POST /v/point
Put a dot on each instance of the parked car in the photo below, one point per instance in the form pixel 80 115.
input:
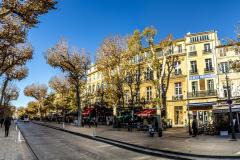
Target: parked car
pixel 25 118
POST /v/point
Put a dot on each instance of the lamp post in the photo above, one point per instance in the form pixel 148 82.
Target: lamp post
pixel 229 101
pixel 189 124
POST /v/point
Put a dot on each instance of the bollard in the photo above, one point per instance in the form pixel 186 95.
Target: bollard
pixel 63 125
pixel 19 136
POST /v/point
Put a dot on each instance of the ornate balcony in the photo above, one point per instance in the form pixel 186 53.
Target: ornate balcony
pixel 208 70
pixel 205 93
pixel 177 97
pixel 193 72
pixel 177 73
pixel 180 51
pixel 207 51
pixel 192 54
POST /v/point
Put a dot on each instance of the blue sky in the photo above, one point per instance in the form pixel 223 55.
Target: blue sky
pixel 85 23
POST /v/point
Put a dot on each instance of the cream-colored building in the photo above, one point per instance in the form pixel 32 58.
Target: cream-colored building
pixel 195 85
pixel 177 95
pixel 202 76
pixel 226 54
pixel 94 83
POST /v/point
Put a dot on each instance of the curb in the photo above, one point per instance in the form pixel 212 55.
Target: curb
pixel 142 149
pixel 35 157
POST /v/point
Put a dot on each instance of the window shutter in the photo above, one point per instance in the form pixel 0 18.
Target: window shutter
pixel 202 84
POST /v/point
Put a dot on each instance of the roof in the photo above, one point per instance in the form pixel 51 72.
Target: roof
pixel 228 45
pixel 200 33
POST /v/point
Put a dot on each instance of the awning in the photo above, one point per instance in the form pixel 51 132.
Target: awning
pixel 201 106
pixel 146 113
pixel 225 109
pixel 87 111
pixel 75 113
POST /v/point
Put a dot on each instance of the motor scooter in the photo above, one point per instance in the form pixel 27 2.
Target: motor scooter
pixel 151 131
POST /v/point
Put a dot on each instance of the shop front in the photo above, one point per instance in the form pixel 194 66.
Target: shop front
pixel 222 117
pixel 202 111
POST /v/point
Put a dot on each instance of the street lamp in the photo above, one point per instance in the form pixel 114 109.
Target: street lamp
pixel 189 124
pixel 229 102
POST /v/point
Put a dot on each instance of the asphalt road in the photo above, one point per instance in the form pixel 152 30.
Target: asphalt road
pixel 49 144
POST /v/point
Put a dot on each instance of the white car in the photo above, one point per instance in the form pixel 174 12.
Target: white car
pixel 25 119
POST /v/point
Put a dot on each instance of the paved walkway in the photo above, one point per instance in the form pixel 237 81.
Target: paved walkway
pixel 175 139
pixel 51 144
pixel 10 149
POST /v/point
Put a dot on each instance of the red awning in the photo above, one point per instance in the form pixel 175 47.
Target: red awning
pixel 146 113
pixel 87 111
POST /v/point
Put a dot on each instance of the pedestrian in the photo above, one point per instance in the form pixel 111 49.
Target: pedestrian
pixel 194 126
pixel 235 124
pixel 96 122
pixel 83 122
pixel 130 123
pixel 107 120
pixel 2 120
pixel 89 122
pixel 7 124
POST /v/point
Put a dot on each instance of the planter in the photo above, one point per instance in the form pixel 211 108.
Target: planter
pixel 223 133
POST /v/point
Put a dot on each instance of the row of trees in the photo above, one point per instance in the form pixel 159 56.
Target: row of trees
pixel 115 61
pixel 60 100
pixel 67 89
pixel 120 60
pixel 16 19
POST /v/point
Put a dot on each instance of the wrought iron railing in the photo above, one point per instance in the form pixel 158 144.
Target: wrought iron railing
pixel 207 51
pixel 177 97
pixel 193 53
pixel 191 72
pixel 205 93
pixel 209 70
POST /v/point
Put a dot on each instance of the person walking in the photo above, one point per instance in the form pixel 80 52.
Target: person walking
pixel 194 126
pixel 89 122
pixel 2 120
pixel 7 124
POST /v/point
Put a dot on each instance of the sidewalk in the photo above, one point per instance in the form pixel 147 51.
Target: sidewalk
pixel 174 139
pixel 10 149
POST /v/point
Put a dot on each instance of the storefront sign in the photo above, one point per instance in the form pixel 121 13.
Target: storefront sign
pixel 202 76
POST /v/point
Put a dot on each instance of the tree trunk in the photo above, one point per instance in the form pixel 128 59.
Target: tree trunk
pixel 78 105
pixel 3 90
pixel 40 110
pixel 159 88
pixel 164 104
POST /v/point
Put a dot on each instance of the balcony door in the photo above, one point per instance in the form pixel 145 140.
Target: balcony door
pixel 178 90
pixel 207 47
pixel 210 85
pixel 177 68
pixel 194 87
pixel 193 66
pixel 208 63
